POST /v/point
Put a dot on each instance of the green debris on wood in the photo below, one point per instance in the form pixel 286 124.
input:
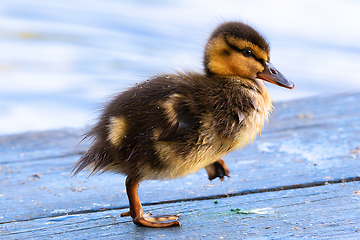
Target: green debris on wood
pixel 242 211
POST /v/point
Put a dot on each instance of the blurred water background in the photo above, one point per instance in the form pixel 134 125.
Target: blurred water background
pixel 61 60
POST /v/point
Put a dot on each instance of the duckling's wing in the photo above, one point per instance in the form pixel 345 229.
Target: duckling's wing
pixel 176 133
pixel 184 123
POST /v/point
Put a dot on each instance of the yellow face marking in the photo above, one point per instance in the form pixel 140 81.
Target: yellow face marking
pixel 223 60
pixel 117 130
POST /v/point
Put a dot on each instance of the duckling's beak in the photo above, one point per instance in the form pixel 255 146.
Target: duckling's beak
pixel 272 75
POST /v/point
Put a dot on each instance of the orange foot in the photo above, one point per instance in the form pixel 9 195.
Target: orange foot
pixel 148 220
pixel 217 169
pixel 136 211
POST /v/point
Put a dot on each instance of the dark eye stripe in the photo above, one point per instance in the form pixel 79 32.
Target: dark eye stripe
pixel 237 49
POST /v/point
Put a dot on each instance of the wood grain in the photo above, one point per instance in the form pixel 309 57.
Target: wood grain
pixel 307 143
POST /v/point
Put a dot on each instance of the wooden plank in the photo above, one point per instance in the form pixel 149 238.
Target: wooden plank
pixel 306 141
pixel 329 212
pixel 40 145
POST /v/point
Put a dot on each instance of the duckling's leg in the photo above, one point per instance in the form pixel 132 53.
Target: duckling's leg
pixel 136 211
pixel 217 169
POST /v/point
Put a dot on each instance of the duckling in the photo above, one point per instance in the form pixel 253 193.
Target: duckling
pixel 173 125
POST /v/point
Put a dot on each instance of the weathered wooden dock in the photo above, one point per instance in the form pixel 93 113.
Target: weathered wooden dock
pixel 300 178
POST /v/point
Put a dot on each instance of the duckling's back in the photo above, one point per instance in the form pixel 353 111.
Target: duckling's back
pixel 174 125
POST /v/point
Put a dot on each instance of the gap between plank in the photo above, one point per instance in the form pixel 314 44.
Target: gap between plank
pixel 219 196
pixel 262 190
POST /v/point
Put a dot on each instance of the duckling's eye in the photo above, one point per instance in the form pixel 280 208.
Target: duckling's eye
pixel 247 52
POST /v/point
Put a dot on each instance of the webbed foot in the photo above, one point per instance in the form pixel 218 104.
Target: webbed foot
pixel 217 169
pixel 136 211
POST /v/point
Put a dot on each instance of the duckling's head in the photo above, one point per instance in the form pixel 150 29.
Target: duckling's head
pixel 236 49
